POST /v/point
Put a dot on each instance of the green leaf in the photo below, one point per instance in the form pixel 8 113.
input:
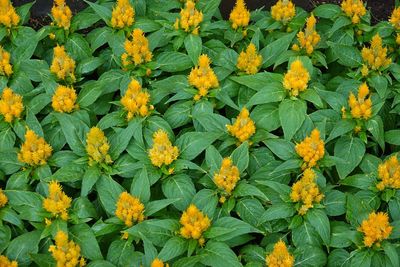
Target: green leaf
pixel 292 113
pixel 181 187
pixel 174 61
pixel 103 12
pixel 120 140
pixel 227 228
pixel 78 47
pixel 335 203
pixel 305 234
pixel 89 179
pixel 341 127
pixel 361 181
pixel 89 64
pixel 361 258
pixel 279 211
pixel 380 84
pixel 193 46
pixel 282 148
pixel 348 56
pixel 218 254
pixel 174 247
pixel 318 219
pixel 22 246
pixel 157 205
pixel 310 256
pixel 122 253
pixel 351 150
pixel 393 137
pixel 7 139
pixel 327 11
pixel 206 200
pixel 271 92
pixel 375 127
pixel 84 237
pixel 75 131
pixel 178 114
pixel 257 81
pixel 240 157
pixel 140 186
pixel 247 190
pixel 391 252
pixel 109 192
pixel 191 144
pixel 30 203
pixel 273 50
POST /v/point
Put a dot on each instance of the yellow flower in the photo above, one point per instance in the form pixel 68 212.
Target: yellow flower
pixel 249 61
pixel 194 224
pixel 97 146
pixel 306 191
pixel 190 18
pixel 361 107
pixel 309 38
pixel 228 176
pixel 159 263
pixel 11 105
pixel 311 149
pixel 8 16
pixel 354 9
pixel 66 253
pixel 5 66
pixel 364 70
pixel 57 203
pixel 3 199
pixel 64 99
pixel 61 14
pixel 240 15
pixel 63 66
pixel 136 51
pixel 123 14
pixel 244 126
pixel 5 262
pixel 395 18
pixel 398 39
pixel 202 77
pixel 296 79
pixel 162 151
pixel 375 57
pixel 389 174
pixel 136 101
pixel 34 151
pixel 283 10
pixel 375 229
pixel 129 209
pixel 280 256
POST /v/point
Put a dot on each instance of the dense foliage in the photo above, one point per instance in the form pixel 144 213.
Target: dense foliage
pixel 154 133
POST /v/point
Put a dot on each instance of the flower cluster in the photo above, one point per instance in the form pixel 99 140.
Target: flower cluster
pixel 5 66
pixel 240 15
pixel 311 149
pixel 306 192
pixel 5 262
pixel 136 51
pixel 158 263
pixel 375 57
pixel 395 18
pixel 63 66
pixel 249 61
pixel 123 14
pixel 3 198
pixel 227 177
pixel 129 209
pixel 280 256
pixel 34 151
pixel 162 152
pixel 190 18
pixel 360 107
pixel 244 126
pixel 136 101
pixel 57 203
pixel 309 38
pixel 8 16
pixel 283 10
pixel 97 146
pixel 389 174
pixel 194 224
pixel 354 9
pixel 11 105
pixel 61 14
pixel 202 77
pixel 66 253
pixel 375 229
pixel 296 78
pixel 64 99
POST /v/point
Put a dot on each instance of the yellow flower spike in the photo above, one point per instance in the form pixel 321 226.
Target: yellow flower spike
pixel 296 78
pixel 159 263
pixel 228 176
pixel 34 151
pixel 136 101
pixel 3 198
pixel 240 15
pixel 137 50
pixel 123 14
pixel 202 77
pixel 57 203
pixel 309 38
pixel 280 256
pixel 11 105
pixel 97 147
pixel 5 66
pixel 283 11
pixel 65 252
pixel 162 152
pixel 63 66
pixel 375 229
pixel 249 61
pixel 61 14
pixel 354 9
pixel 306 192
pixel 311 149
pixel 5 262
pixel 129 209
pixel 389 174
pixel 64 99
pixel 244 126
pixel 395 18
pixel 194 224
pixel 361 107
pixel 189 19
pixel 375 57
pixel 8 15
